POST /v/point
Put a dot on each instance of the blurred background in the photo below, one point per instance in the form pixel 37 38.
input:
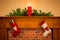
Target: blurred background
pixel 45 5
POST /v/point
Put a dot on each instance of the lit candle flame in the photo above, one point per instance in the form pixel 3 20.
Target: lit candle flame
pixel 29 10
pixel 29 5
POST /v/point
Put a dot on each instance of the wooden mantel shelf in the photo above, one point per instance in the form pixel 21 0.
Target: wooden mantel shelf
pixel 30 21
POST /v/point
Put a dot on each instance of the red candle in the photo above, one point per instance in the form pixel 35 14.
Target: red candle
pixel 29 10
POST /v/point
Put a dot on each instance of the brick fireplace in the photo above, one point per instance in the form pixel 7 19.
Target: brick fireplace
pixel 30 28
pixel 29 34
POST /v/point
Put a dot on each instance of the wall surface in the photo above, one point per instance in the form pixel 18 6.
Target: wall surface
pixel 45 5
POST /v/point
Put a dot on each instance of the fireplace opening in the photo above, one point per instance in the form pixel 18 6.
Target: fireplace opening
pixel 29 34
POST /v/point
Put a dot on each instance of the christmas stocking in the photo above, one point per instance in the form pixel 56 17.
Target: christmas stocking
pixel 46 28
pixel 15 28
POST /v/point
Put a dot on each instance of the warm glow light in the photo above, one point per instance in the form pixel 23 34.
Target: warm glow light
pixel 29 5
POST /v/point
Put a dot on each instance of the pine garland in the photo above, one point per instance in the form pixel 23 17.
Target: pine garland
pixel 18 12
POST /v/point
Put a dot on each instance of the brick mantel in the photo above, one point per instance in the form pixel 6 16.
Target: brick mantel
pixel 30 22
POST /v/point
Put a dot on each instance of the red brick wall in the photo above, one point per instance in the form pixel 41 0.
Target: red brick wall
pixel 29 34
